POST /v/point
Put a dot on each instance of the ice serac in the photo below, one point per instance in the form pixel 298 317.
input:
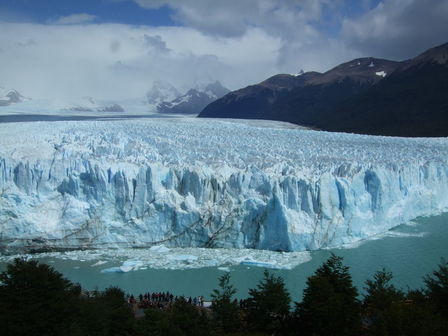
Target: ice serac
pixel 209 183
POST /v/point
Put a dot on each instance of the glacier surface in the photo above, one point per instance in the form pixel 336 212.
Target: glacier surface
pixel 209 183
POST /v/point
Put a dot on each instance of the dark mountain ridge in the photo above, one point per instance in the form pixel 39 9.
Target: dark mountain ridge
pixel 412 101
pixel 365 95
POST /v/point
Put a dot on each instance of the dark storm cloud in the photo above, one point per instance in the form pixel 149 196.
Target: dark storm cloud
pixel 232 18
pixel 398 29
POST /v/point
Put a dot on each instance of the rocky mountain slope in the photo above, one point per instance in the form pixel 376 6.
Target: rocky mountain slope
pixel 366 95
pixel 412 101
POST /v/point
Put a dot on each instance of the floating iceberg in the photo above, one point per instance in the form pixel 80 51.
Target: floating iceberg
pixel 182 257
pixel 159 248
pixel 99 263
pixel 178 258
pixel 209 183
pixel 224 269
pixel 127 266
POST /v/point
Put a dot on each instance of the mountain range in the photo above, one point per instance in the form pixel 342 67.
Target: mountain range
pixel 366 95
pixel 194 100
pixel 161 98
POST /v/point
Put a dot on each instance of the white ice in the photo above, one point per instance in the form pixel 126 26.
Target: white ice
pixel 177 258
pixel 209 183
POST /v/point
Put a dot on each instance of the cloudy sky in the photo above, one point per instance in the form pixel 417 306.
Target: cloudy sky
pixel 118 48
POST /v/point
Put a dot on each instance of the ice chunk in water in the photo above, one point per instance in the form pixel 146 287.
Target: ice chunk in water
pixel 159 248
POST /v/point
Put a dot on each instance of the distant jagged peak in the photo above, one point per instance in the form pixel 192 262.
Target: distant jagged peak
pixel 161 91
pixel 15 97
pixel 215 89
pixel 11 96
pixel 194 100
pixel 206 85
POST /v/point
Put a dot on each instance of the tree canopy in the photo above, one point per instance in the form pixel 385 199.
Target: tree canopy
pixel 330 305
pixel 268 305
pixel 437 286
pixel 225 311
pixel 37 300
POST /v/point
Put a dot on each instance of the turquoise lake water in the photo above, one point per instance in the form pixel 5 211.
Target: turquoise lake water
pixel 409 251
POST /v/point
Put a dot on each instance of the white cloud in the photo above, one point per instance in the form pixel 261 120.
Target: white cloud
pixel 291 22
pixel 235 17
pixel 236 42
pixel 396 29
pixel 120 61
pixel 79 18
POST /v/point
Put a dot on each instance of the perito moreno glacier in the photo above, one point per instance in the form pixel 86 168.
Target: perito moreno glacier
pixel 209 183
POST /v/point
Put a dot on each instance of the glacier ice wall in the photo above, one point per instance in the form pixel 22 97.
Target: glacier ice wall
pixel 209 183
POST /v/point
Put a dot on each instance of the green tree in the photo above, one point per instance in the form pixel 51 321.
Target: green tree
pixel 381 304
pixel 190 319
pixel 37 300
pixel 268 305
pixel 116 314
pixel 157 323
pixel 415 316
pixel 182 319
pixel 330 306
pixel 225 312
pixel 437 287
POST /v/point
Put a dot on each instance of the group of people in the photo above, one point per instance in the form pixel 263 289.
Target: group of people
pixel 161 300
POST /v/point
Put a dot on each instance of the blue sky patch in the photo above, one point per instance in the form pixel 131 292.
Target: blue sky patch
pixel 106 11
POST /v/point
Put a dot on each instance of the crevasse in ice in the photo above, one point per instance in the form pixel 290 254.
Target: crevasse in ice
pixel 209 183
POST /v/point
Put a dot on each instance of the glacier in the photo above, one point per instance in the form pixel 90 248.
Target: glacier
pixel 209 183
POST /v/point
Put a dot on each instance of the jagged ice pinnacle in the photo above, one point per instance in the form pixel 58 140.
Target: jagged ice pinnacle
pixel 209 183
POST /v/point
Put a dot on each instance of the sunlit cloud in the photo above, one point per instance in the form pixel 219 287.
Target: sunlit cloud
pixel 110 60
pixel 236 42
pixel 73 19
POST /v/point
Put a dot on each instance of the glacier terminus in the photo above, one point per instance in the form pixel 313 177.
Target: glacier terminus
pixel 186 182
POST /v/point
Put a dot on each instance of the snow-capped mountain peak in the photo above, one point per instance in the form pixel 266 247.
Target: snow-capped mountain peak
pixel 194 100
pixel 161 91
pixel 8 97
pixel 215 90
